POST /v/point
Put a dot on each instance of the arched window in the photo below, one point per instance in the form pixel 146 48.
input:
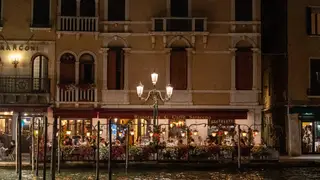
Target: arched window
pixel 86 69
pixel 244 66
pixel 40 72
pixel 67 69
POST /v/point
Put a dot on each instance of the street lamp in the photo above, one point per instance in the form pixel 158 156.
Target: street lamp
pixel 155 95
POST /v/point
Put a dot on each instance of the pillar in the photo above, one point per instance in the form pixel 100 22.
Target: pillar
pixel 78 8
pixel 255 77
pixel 126 68
pixel 233 68
pixel 96 8
pixel 167 56
pixel 104 52
pixel 190 65
pixel 105 12
pixel 294 136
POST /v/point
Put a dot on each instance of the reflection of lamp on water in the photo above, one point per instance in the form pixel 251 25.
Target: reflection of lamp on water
pixel 88 134
pixel 195 132
pixel 214 134
pixel 225 132
pixel 183 134
pixel 131 132
pixel 68 132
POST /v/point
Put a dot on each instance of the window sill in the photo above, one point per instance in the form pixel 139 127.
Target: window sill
pixel 314 36
pixel 35 28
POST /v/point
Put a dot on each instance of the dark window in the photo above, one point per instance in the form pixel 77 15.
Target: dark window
pixel 86 69
pixel 313 21
pixel 116 10
pixel 179 69
pixel 41 13
pixel 88 8
pixel 115 69
pixel 315 74
pixel 244 69
pixel 179 8
pixel 1 23
pixel 243 10
pixel 67 69
pixel 68 7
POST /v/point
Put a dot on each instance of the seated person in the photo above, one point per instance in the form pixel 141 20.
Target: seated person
pixel 7 151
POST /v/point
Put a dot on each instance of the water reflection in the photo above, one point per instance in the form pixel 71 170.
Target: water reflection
pixel 249 174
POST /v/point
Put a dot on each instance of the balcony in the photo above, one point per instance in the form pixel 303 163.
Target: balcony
pixel 72 94
pixel 24 90
pixel 78 24
pixel 174 24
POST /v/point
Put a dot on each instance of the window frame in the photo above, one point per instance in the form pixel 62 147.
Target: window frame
pixel 49 25
pixel 309 22
pixel 310 64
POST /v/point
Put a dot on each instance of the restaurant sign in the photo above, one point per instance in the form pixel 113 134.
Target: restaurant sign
pixel 24 109
pixel 173 117
pixel 20 47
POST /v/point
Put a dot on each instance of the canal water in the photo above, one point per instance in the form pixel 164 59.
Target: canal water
pixel 248 174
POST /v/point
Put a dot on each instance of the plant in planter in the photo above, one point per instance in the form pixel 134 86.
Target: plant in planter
pixel 104 153
pixel 136 153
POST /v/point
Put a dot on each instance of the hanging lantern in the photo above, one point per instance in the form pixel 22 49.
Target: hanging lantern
pixel 120 134
pixel 195 132
pixel 244 134
pixel 68 132
pixel 88 134
pixel 183 134
pixel 225 132
pixel 214 134
pixel 163 132
pixel 151 134
pixel 171 125
pixel 255 132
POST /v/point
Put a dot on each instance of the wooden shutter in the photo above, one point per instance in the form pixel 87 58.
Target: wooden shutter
pixel 244 70
pixel 67 73
pixel 111 70
pixel 179 69
pixel 120 70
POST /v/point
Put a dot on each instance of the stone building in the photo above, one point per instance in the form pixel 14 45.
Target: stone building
pixel 291 73
pixel 95 53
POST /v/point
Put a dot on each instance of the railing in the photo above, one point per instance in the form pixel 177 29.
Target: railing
pixel 175 24
pixel 71 23
pixel 24 85
pixel 76 94
pixel 164 154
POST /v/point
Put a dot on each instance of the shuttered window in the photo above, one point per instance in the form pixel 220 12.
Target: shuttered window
pixel 244 69
pixel 179 69
pixel 67 69
pixel 41 13
pixel 243 10
pixel 115 69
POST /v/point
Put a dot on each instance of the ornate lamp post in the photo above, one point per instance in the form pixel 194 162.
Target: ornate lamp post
pixel 155 95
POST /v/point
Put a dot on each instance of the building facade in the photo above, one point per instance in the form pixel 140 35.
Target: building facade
pixel 294 64
pixel 102 49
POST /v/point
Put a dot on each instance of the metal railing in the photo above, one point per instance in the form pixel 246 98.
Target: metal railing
pixel 71 23
pixel 24 85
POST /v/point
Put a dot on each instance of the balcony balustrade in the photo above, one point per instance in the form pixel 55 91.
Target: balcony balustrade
pixel 181 24
pixel 20 85
pixel 73 94
pixel 78 24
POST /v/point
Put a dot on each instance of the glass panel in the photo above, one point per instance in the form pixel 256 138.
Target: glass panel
pixel 307 137
pixel 317 137
pixel 2 125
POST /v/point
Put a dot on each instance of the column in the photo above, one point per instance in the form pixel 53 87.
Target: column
pixel 97 8
pixel 257 121
pixel 190 65
pixel 233 68
pixel 78 8
pixel 127 10
pixel 77 72
pixel 255 77
pixel 58 81
pixel 126 68
pixel 167 54
pixel 294 135
pixel 104 52
pixel 105 12
pixel 233 10
pixel 168 8
pixel 59 14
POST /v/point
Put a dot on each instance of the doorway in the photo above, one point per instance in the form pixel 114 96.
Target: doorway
pixel 310 137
